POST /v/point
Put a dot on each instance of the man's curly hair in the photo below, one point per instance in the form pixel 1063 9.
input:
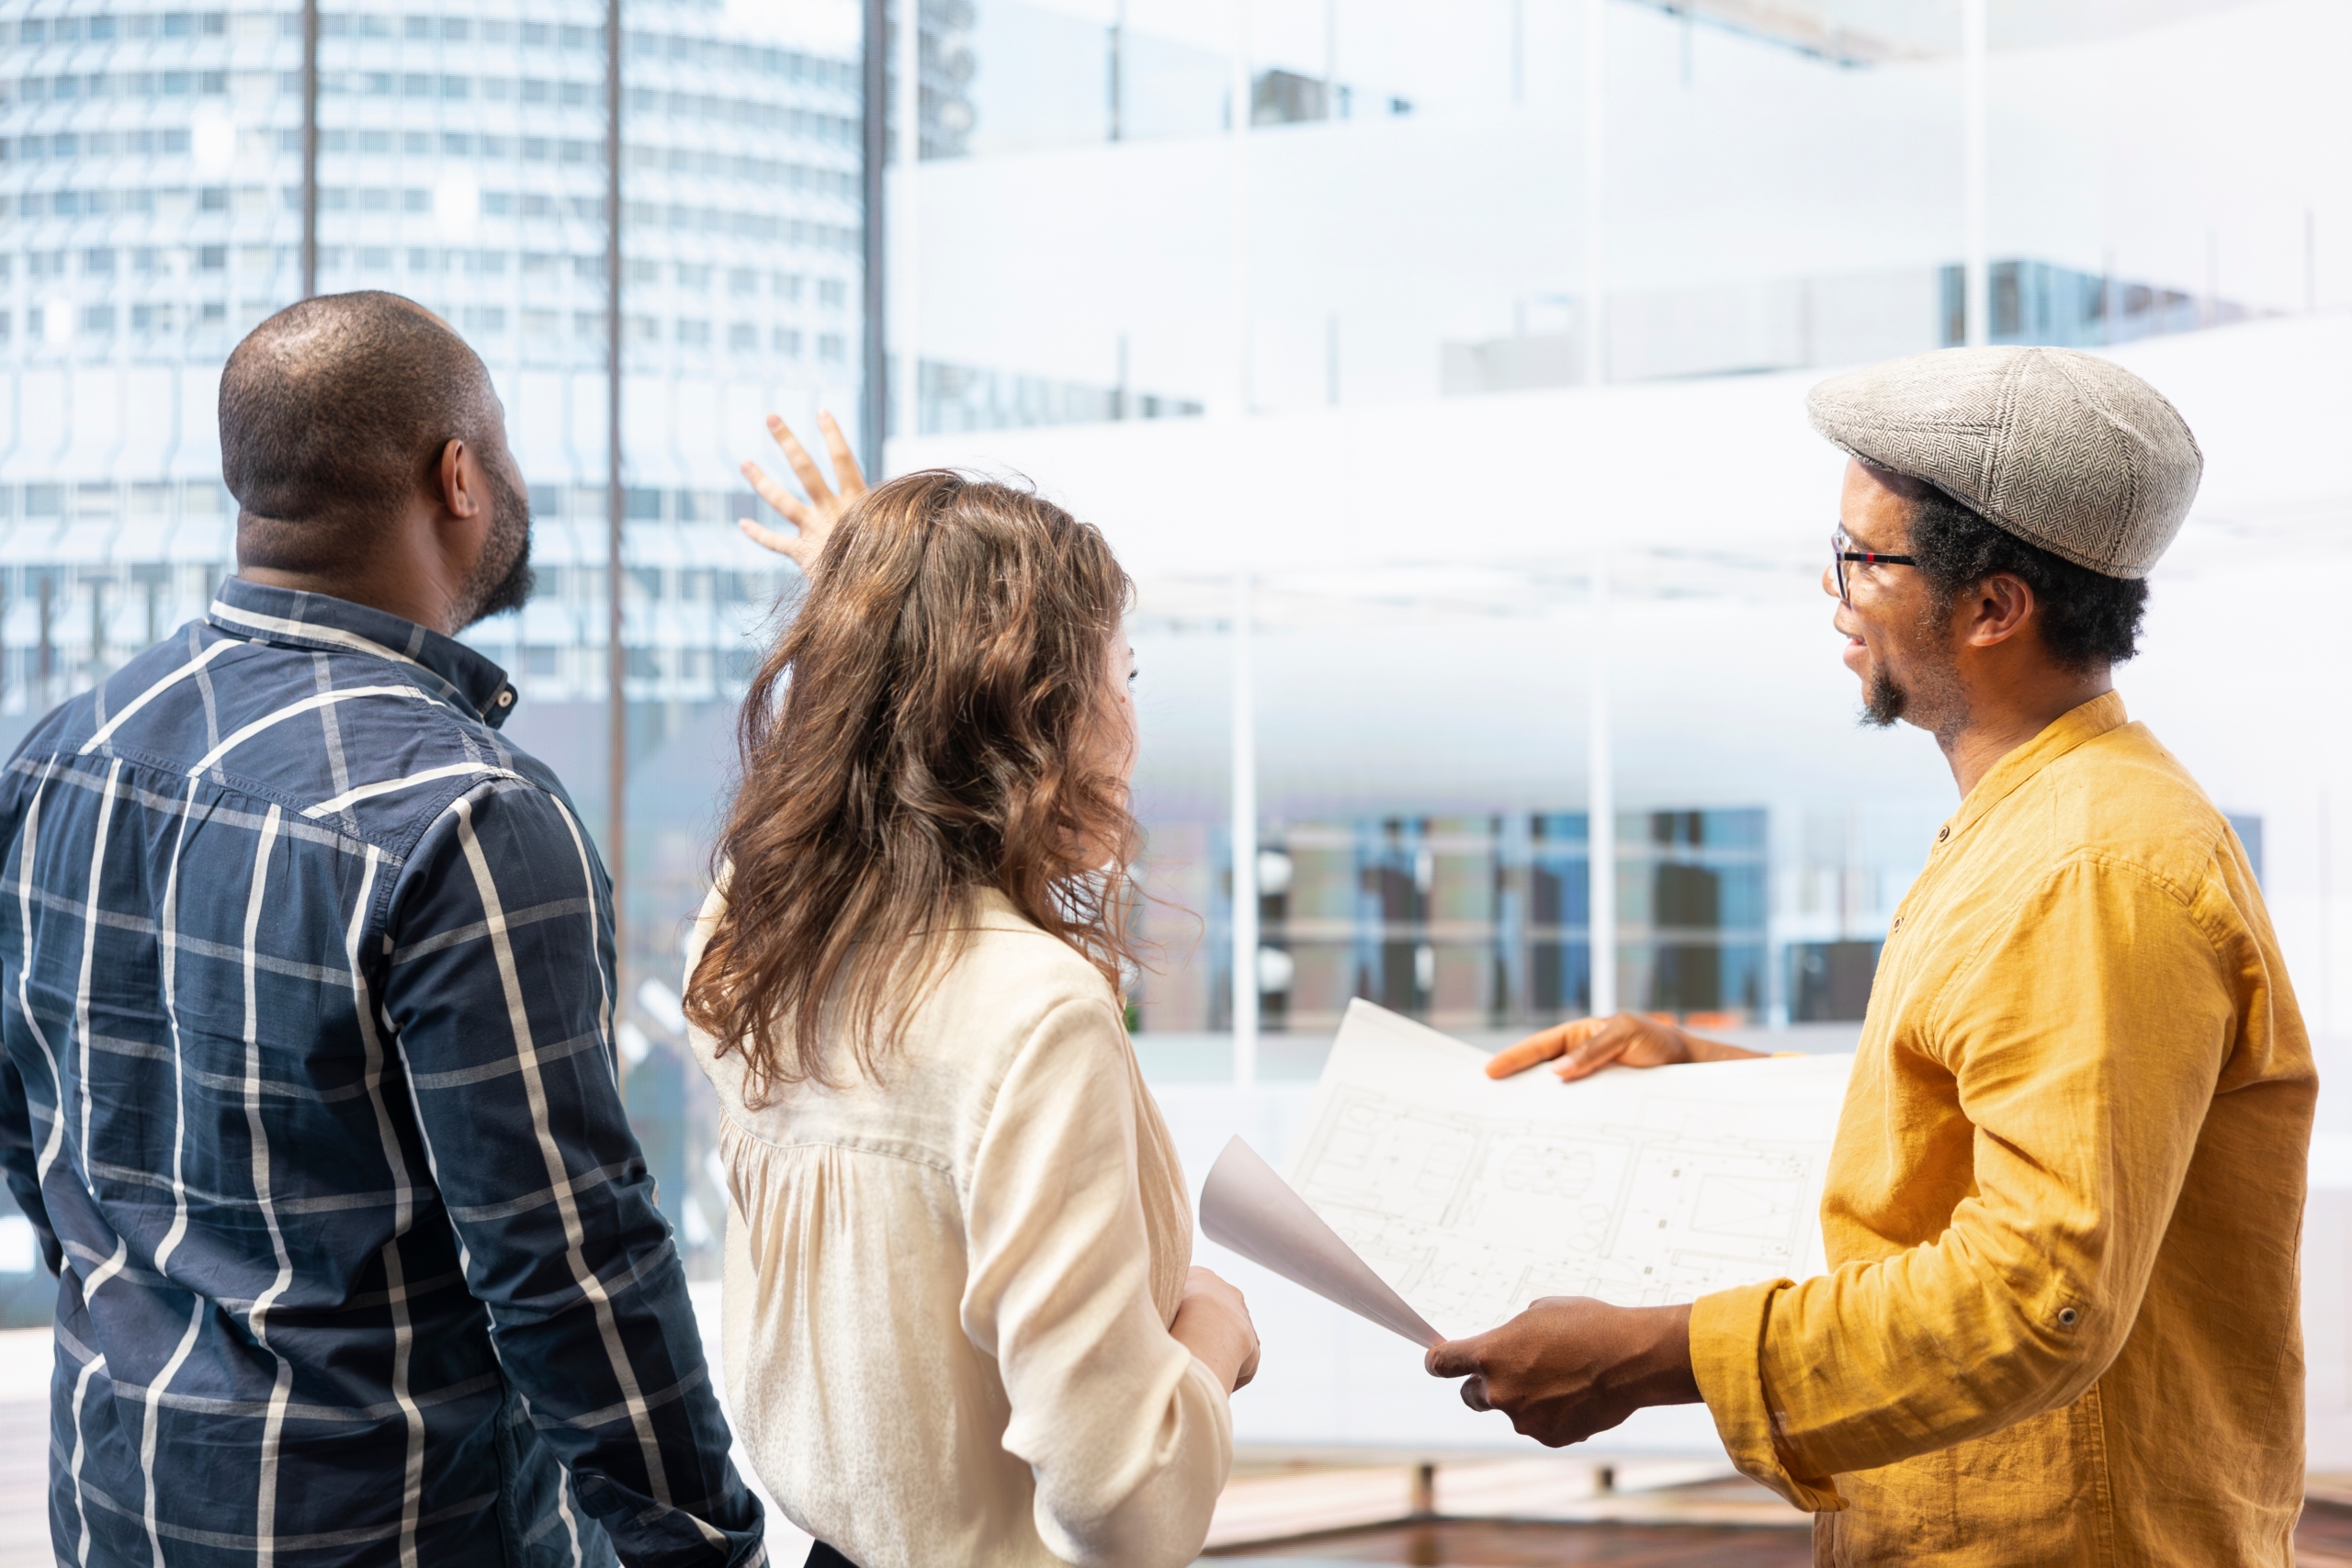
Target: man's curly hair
pixel 2089 619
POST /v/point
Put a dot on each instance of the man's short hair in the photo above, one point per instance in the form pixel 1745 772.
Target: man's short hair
pixel 333 412
pixel 2089 619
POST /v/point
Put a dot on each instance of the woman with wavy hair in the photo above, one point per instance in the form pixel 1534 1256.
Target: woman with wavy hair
pixel 961 1323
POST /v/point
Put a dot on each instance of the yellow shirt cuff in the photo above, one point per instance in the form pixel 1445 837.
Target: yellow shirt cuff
pixel 1726 1354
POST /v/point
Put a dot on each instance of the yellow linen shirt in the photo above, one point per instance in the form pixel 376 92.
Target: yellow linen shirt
pixel 2064 1207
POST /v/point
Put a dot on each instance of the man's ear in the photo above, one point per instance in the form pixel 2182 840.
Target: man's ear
pixel 1999 608
pixel 460 478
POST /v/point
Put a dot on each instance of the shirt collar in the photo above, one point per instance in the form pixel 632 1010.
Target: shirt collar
pixel 290 618
pixel 2063 734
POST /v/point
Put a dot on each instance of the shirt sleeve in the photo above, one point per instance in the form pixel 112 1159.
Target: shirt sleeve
pixel 2085 1040
pixel 500 999
pixel 1128 1435
pixel 19 1134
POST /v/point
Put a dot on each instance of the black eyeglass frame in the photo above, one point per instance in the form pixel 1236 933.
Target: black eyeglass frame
pixel 1840 555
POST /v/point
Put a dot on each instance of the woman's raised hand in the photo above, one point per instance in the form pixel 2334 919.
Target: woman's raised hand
pixel 815 516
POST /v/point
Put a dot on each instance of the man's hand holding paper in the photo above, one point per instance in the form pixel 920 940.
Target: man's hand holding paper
pixel 1421 1192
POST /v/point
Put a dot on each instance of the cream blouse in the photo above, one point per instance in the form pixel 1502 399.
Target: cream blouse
pixel 949 1288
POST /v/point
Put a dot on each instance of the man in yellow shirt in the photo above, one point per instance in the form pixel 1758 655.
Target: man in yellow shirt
pixel 2064 1207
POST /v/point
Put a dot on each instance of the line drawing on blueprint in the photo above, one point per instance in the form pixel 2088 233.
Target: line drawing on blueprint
pixel 1657 1200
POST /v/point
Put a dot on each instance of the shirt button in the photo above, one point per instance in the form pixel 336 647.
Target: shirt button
pixel 2066 1316
pixel 1896 926
pixel 1942 833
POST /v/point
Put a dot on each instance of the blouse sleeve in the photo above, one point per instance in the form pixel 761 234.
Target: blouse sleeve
pixel 1129 1436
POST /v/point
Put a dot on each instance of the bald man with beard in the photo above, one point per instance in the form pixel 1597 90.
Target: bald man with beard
pixel 310 1088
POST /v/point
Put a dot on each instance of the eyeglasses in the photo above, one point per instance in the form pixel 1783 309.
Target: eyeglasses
pixel 1839 554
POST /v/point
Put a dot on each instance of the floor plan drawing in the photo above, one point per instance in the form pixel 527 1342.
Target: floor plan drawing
pixel 1472 1198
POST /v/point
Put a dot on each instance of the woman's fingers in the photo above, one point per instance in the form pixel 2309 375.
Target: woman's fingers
pixel 847 476
pixel 803 466
pixel 793 509
pixel 785 545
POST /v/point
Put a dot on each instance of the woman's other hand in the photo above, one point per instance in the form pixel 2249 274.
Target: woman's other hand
pixel 1628 1040
pixel 1213 1323
pixel 815 516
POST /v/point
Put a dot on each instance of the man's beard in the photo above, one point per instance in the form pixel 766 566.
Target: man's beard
pixel 502 579
pixel 1883 698
pixel 1934 699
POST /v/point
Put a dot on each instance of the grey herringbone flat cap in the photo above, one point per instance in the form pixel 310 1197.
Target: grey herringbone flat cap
pixel 2065 450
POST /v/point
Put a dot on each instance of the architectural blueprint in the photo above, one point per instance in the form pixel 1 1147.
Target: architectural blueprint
pixel 1472 1197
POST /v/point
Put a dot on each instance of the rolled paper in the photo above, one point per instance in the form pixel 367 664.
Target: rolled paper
pixel 1246 1205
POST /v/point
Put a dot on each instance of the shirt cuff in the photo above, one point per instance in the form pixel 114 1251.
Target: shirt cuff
pixel 1727 1356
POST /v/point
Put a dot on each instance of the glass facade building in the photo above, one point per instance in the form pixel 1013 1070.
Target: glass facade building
pixel 153 193
pixel 151 180
pixel 1470 923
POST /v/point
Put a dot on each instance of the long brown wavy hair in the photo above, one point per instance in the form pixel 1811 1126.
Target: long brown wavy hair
pixel 936 719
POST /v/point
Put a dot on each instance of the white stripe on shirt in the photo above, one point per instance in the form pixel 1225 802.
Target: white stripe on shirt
pixel 149 1425
pixel 274 1424
pixel 90 954
pixel 388 786
pixel 222 611
pixel 104 732
pixel 403 1215
pixel 294 710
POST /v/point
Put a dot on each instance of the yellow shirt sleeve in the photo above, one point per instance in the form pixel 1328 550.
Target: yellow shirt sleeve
pixel 2085 1038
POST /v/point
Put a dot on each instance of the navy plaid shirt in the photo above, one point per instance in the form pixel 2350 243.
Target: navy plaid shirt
pixel 308 1089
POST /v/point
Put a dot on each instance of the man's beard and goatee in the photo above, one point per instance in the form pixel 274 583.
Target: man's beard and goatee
pixel 1933 698
pixel 1883 699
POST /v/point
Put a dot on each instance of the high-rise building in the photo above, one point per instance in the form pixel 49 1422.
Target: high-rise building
pixel 152 190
